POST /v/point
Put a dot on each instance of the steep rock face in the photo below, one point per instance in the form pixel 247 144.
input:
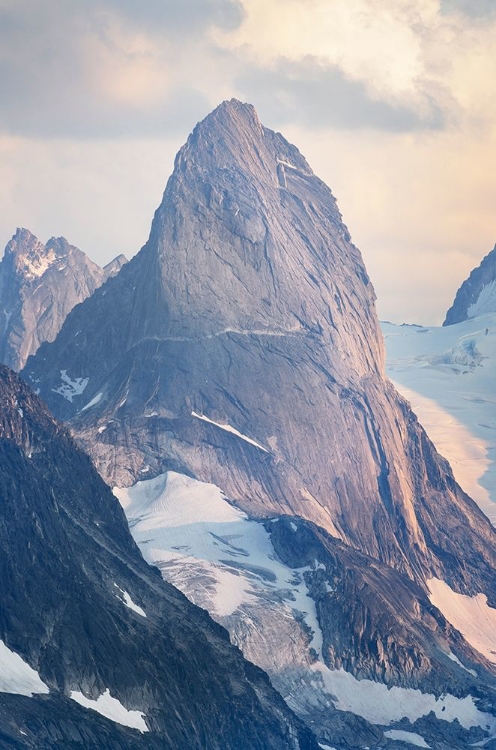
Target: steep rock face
pixel 477 294
pixel 241 346
pixel 80 607
pixel 39 286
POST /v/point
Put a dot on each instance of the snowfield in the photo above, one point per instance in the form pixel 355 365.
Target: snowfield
pixel 449 377
pixel 471 615
pixel 224 562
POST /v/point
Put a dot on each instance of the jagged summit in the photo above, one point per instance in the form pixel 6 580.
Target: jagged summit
pixel 233 135
pixel 39 285
pixel 477 294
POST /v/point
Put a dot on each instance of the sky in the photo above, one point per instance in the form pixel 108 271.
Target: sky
pixel 392 102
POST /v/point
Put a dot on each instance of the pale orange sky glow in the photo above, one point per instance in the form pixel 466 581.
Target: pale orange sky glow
pixel 391 101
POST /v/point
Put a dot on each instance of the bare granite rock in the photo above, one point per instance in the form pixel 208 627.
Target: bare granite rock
pixel 39 286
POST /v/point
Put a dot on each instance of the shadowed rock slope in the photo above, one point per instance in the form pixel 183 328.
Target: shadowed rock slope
pixel 80 606
pixel 241 346
pixel 39 286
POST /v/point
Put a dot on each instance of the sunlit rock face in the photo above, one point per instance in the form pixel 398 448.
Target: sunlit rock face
pixel 39 286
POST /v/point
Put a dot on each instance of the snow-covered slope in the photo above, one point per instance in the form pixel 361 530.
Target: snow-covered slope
pixel 449 376
pixel 228 564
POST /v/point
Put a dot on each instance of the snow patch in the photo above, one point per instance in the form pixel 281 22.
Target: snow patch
pixel 485 302
pixel 126 598
pixel 230 429
pixel 36 265
pixel 112 709
pixel 471 615
pixel 16 676
pixel 379 704
pixel 185 526
pixel 457 661
pixel 411 737
pixel 70 388
pixel 93 402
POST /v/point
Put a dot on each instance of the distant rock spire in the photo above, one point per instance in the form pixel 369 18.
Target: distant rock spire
pixel 477 294
pixel 39 286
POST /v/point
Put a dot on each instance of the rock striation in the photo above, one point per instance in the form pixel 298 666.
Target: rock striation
pixel 477 294
pixel 39 286
pixel 85 623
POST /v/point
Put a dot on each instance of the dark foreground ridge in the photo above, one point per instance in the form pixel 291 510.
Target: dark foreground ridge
pixel 82 608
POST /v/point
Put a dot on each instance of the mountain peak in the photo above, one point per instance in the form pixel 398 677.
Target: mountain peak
pixel 477 294
pixel 234 112
pixel 39 285
pixel 232 136
pixel 29 257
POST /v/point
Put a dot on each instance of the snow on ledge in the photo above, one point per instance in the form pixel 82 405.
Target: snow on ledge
pixel 230 429
pixel 471 615
pixel 457 661
pixel 16 676
pixel 93 402
pixel 112 709
pixel 402 736
pixel 126 599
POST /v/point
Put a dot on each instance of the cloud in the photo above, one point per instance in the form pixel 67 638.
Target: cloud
pixel 183 16
pixel 310 93
pixel 478 9
pixel 112 68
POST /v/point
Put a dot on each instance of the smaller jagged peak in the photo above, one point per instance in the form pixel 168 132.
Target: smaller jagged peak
pixel 59 245
pixel 115 265
pixel 23 242
pixel 28 257
pixel 477 294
